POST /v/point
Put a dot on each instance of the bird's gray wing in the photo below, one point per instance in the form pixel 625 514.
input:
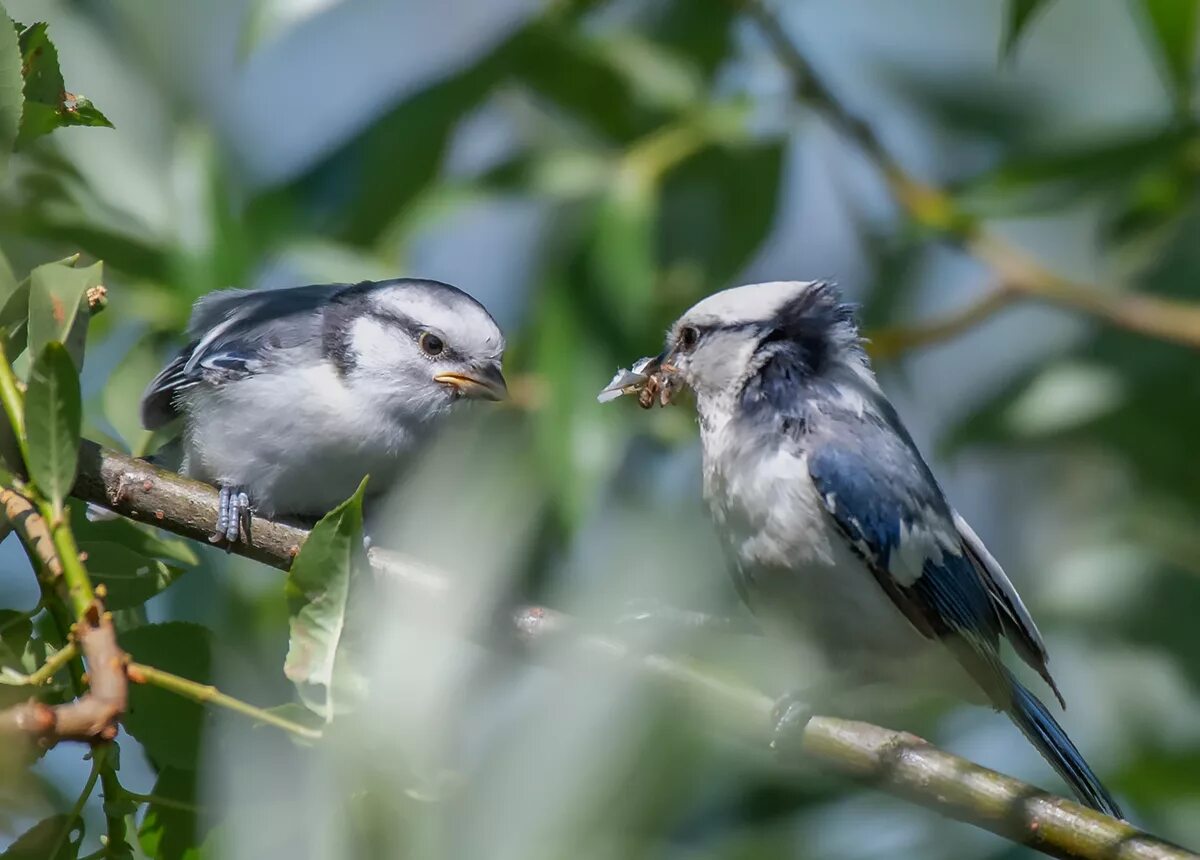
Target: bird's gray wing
pixel 1019 627
pixel 888 506
pixel 235 334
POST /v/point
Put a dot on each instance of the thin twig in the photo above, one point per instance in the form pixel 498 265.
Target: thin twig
pixel 99 756
pixel 896 762
pixel 934 209
pixel 46 671
pixel 888 343
pixel 207 694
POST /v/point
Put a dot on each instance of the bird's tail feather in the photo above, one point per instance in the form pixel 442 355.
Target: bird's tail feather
pixel 1044 732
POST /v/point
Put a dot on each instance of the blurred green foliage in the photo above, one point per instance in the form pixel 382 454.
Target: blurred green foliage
pixel 663 161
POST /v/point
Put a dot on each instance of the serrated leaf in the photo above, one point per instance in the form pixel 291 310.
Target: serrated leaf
pixel 1172 25
pixel 54 838
pixel 172 832
pixel 129 577
pixel 1016 18
pixel 11 98
pixel 53 414
pixel 167 725
pixel 58 306
pixel 318 589
pixel 48 105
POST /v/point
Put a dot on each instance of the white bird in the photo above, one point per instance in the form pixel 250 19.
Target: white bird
pixel 289 397
pixel 834 521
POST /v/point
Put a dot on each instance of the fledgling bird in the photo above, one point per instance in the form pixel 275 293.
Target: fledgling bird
pixel 289 397
pixel 833 518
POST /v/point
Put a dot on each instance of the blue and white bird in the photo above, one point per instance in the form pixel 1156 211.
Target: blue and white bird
pixel 832 517
pixel 289 397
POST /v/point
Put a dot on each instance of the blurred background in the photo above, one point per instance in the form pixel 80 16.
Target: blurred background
pixel 588 170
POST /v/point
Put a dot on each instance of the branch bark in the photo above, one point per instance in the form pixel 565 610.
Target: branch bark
pixel 897 763
pixel 143 492
pixel 92 718
pixel 934 209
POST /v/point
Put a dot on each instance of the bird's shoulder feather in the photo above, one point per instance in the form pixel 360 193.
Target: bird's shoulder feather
pixel 235 334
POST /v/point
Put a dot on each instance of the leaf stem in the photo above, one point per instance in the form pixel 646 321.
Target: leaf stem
pixel 99 756
pixel 49 669
pixel 207 694
pixel 13 403
pixel 79 584
pixel 165 802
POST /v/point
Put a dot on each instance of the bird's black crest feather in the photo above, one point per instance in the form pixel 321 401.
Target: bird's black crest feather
pixel 819 321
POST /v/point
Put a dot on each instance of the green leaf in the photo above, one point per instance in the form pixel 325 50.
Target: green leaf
pixel 595 92
pixel 58 306
pixel 167 725
pixel 52 418
pixel 1017 18
pixel 1172 26
pixel 702 30
pixel 172 830
pixel 14 319
pixel 381 172
pixel 11 99
pixel 318 588
pixel 49 839
pixel 716 209
pixel 622 257
pixel 130 578
pixel 47 103
pixel 15 629
pixel 138 538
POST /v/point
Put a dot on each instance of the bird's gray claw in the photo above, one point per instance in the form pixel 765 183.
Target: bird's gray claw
pixel 233 516
pixel 790 715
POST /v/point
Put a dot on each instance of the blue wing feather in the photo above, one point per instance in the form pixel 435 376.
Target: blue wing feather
pixel 879 495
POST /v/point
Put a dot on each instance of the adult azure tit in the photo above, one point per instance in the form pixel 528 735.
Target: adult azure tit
pixel 833 519
pixel 289 397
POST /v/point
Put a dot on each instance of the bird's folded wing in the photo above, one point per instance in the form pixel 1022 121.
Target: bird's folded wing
pixel 234 332
pixel 889 508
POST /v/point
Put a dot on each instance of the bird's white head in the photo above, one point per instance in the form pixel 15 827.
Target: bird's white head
pixel 415 343
pixel 721 342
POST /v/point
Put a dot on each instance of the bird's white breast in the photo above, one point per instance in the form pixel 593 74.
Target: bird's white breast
pixel 299 440
pixel 793 565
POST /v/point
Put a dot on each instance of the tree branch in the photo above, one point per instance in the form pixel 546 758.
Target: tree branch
pixel 934 209
pixel 206 694
pixel 897 763
pixel 141 491
pixel 92 717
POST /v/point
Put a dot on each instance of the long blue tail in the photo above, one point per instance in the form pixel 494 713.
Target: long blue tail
pixel 1052 742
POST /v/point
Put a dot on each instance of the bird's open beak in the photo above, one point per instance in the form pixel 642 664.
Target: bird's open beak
pixel 483 382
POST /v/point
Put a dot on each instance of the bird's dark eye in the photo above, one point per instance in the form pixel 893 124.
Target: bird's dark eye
pixel 431 344
pixel 689 335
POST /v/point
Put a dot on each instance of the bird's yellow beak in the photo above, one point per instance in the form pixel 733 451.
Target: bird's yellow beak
pixel 485 382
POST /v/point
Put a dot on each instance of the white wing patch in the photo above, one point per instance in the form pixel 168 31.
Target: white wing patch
pixel 920 542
